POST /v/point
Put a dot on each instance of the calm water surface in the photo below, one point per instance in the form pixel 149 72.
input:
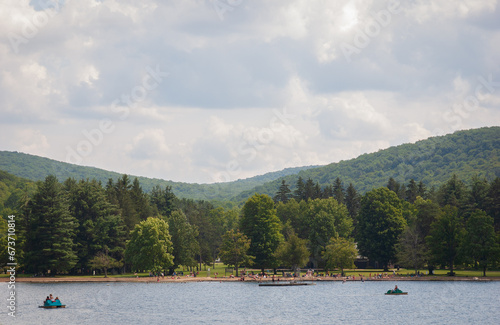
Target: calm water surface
pixel 247 303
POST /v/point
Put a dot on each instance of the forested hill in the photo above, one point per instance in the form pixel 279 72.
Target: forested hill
pixel 36 168
pixel 432 161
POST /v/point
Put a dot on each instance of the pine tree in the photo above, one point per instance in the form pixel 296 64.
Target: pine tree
pixel 352 201
pixel 338 191
pixel 309 190
pixel 51 231
pixel 411 191
pixel 283 194
pixel 327 192
pixel 422 190
pixel 453 192
pixel 100 228
pixel 493 202
pixel 163 200
pixel 299 193
pixel 140 201
pixel 394 186
pixel 125 203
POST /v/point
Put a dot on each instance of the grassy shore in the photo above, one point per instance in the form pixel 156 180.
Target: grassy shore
pixel 219 274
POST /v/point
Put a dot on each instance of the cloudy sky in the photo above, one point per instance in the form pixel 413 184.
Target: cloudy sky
pixel 217 90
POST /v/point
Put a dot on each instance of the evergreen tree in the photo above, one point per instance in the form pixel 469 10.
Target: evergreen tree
pixel 352 202
pixel 140 201
pixel 126 205
pixel 453 192
pixel 338 191
pixel 309 190
pixel 397 188
pixel 283 194
pixel 163 200
pixel 51 230
pixel 317 191
pixel 493 203
pixel 100 228
pixel 327 192
pixel 299 193
pixel 422 191
pixel 477 197
pixel 411 191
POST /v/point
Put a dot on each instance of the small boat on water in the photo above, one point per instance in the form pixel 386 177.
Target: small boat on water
pixel 395 292
pixel 50 307
pixel 52 304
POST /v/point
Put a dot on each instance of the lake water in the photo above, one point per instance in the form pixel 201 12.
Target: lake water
pixel 440 302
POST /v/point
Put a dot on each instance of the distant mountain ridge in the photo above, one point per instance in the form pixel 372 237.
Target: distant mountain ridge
pixel 37 168
pixel 433 161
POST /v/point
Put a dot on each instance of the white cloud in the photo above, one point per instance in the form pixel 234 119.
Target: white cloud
pixel 266 87
pixel 150 144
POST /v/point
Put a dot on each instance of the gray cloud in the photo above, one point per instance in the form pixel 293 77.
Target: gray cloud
pixel 62 69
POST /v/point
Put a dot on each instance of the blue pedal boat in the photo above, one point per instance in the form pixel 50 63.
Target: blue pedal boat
pixel 52 304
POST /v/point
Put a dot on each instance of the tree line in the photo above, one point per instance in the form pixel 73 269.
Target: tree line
pixel 78 226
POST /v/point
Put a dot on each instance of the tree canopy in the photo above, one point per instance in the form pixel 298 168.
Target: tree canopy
pixel 149 247
pixel 261 225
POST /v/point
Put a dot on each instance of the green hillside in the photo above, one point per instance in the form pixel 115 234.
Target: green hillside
pixel 433 161
pixel 13 191
pixel 37 168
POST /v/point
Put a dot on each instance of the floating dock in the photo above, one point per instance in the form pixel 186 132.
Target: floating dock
pixel 285 284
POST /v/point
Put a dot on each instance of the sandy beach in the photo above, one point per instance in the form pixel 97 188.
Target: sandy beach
pixel 229 279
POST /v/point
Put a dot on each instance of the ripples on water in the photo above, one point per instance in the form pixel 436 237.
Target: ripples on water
pixel 440 302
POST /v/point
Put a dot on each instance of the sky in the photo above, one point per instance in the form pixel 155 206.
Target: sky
pixel 205 91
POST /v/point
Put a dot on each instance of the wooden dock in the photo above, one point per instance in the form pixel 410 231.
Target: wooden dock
pixel 285 284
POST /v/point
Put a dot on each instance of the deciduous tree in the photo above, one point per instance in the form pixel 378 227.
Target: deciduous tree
pixel 380 222
pixel 234 249
pixel 149 247
pixel 340 253
pixel 480 244
pixel 445 237
pixel 261 225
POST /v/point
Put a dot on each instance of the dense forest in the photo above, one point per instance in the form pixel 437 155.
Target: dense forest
pixel 432 161
pixel 434 204
pixel 79 226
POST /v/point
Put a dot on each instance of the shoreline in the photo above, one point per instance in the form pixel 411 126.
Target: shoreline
pixel 166 279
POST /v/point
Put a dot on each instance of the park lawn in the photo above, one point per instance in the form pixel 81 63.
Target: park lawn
pixel 220 269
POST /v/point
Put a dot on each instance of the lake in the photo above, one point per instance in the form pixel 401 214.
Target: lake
pixel 436 302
